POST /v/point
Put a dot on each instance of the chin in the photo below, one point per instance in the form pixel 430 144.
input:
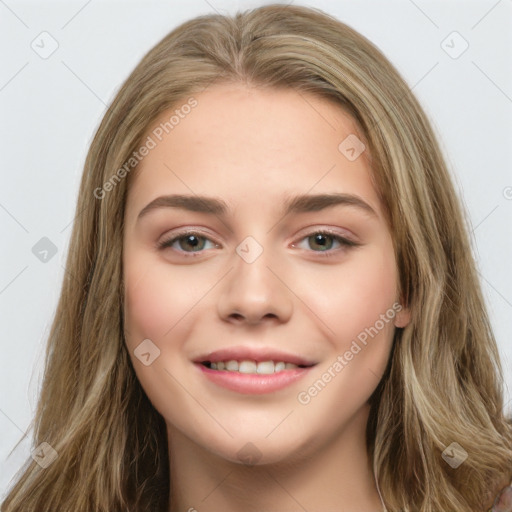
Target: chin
pixel 258 451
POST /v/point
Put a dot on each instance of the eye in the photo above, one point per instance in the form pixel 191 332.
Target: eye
pixel 195 241
pixel 320 239
pixel 187 240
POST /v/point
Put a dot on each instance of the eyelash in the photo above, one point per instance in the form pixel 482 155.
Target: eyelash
pixel 344 242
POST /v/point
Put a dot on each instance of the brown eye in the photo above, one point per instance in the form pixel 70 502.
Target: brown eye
pixel 324 240
pixel 189 240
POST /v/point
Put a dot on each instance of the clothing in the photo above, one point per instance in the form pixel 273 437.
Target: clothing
pixel 503 501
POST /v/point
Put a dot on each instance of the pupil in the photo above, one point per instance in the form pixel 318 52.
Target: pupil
pixel 192 240
pixel 318 239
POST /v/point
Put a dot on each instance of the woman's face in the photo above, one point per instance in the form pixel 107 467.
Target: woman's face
pixel 242 279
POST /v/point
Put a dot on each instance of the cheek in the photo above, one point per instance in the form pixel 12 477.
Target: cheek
pixel 146 313
pixel 354 296
pixel 373 287
pixel 359 313
pixel 155 299
pixel 154 306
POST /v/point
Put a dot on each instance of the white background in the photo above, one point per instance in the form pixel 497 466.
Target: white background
pixel 50 108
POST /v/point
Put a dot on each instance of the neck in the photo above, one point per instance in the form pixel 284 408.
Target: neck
pixel 335 476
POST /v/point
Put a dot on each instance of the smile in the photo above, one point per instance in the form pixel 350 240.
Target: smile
pixel 251 367
pixel 244 378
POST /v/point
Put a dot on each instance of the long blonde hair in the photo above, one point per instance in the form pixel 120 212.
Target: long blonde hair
pixel 444 380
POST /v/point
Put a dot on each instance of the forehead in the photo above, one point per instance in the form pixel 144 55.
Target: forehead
pixel 251 144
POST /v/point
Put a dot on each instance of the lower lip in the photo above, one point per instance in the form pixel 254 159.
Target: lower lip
pixel 253 383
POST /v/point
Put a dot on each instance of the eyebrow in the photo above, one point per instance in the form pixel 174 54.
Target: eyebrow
pixel 294 204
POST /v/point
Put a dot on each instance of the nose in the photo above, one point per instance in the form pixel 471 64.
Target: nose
pixel 255 292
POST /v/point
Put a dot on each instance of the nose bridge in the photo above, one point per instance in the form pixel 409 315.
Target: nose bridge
pixel 251 270
pixel 253 290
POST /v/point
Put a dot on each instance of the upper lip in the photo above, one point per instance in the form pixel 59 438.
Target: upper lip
pixel 253 354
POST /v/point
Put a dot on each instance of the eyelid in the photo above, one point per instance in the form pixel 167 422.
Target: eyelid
pixel 344 234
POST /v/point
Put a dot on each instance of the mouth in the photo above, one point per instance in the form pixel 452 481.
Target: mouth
pixel 252 371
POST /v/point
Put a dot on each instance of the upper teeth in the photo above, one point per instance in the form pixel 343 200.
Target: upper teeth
pixel 247 366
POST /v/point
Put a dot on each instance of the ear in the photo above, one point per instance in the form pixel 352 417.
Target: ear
pixel 403 317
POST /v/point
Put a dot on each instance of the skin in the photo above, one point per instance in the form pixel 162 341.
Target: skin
pixel 253 148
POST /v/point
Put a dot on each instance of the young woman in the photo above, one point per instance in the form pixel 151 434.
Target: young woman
pixel 271 302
